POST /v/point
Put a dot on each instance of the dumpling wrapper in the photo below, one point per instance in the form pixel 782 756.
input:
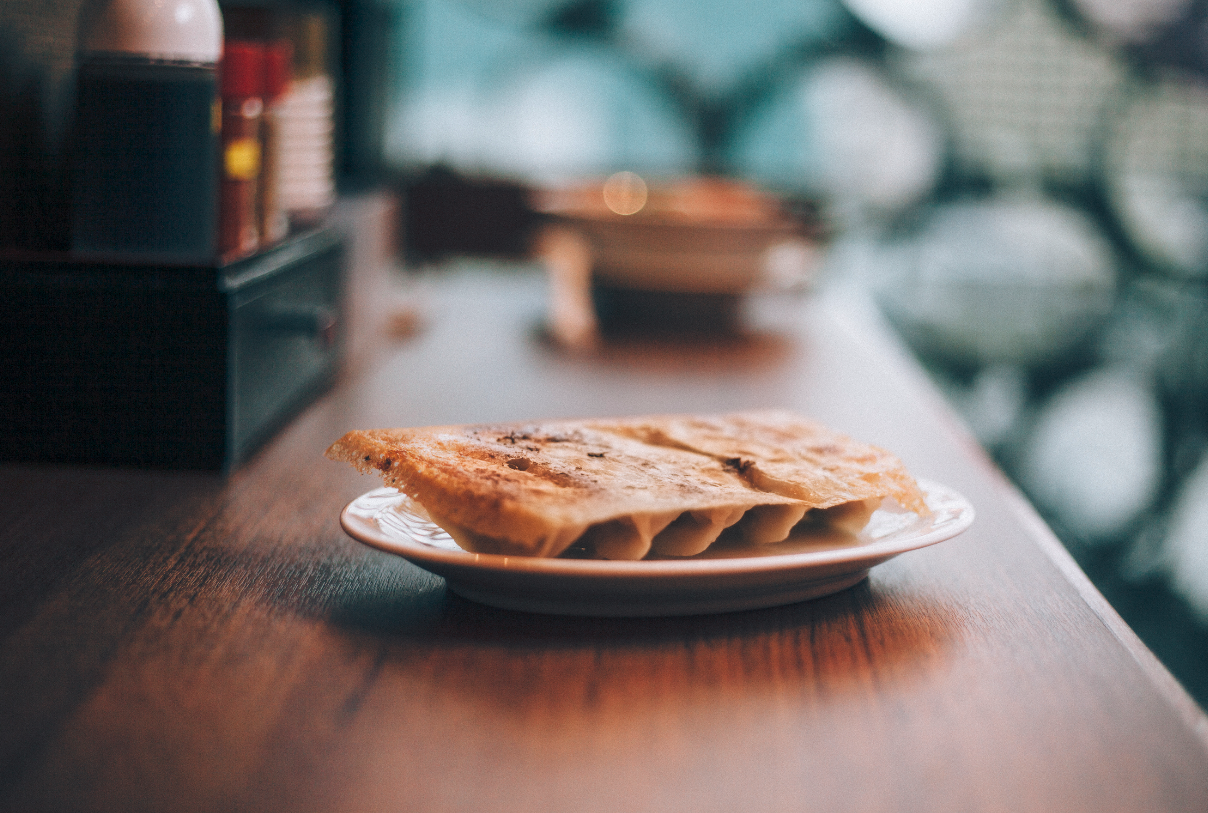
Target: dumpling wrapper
pixel 782 453
pixel 620 489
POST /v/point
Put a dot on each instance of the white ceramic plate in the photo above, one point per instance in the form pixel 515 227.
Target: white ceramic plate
pixel 724 578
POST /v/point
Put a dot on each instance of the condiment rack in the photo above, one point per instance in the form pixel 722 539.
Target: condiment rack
pixel 118 362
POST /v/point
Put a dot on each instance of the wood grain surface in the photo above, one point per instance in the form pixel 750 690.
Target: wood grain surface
pixel 178 641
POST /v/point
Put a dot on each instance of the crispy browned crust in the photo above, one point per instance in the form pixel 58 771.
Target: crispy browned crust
pixel 784 454
pixel 534 488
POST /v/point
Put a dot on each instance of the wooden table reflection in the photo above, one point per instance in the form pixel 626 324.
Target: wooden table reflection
pixel 181 641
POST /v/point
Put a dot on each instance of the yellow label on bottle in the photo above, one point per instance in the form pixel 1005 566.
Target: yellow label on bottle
pixel 242 159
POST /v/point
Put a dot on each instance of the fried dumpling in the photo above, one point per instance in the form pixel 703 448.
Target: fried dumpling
pixel 782 453
pixel 623 489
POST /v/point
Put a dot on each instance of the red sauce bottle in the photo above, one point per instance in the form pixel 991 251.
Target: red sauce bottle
pixel 242 153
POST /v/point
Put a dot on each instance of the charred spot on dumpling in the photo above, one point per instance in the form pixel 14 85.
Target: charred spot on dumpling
pixel 519 463
pixel 738 464
pixel 514 436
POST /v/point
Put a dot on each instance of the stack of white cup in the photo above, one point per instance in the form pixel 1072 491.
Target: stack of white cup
pixel 305 118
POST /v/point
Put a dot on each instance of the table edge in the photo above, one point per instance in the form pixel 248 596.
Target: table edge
pixel 850 307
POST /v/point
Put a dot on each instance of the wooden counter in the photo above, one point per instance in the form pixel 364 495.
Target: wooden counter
pixel 182 642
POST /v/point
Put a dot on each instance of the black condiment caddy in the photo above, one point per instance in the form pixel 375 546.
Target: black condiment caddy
pixel 128 363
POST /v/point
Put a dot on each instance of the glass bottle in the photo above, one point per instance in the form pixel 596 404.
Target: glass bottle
pixel 145 140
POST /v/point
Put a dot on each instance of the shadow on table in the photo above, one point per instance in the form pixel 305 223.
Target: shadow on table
pixel 867 632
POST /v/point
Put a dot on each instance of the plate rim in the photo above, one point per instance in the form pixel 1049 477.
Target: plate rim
pixel 875 551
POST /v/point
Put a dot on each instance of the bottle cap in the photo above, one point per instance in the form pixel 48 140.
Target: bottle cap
pixel 184 31
pixel 310 45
